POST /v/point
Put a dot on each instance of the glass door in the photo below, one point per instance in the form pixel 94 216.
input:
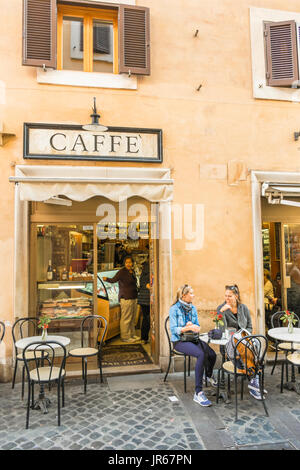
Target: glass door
pixel 291 267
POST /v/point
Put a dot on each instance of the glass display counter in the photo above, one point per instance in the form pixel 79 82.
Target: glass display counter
pixel 107 301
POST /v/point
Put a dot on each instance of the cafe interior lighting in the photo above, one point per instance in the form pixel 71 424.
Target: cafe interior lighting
pixel 94 125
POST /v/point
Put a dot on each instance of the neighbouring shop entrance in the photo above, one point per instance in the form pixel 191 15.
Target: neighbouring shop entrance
pixel 281 258
pixel 74 247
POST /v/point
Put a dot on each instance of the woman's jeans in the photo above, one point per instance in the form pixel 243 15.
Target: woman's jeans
pixel 203 353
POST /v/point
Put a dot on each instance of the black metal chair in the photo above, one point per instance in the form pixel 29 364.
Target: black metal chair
pixel 85 351
pixel 255 347
pixel 2 330
pixel 173 353
pixel 19 331
pixel 292 359
pixel 280 345
pixel 43 375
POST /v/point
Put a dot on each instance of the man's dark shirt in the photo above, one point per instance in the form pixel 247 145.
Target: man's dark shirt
pixel 127 284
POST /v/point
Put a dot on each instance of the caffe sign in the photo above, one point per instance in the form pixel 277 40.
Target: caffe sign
pixel 71 142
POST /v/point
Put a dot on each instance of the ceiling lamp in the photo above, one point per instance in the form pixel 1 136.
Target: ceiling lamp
pixel 95 126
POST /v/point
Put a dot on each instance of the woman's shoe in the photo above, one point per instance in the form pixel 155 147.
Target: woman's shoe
pixel 201 399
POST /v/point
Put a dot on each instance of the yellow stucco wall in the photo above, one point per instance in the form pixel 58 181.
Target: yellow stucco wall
pixel 202 130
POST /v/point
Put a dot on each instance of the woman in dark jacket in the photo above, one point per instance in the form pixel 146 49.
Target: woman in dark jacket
pixel 144 301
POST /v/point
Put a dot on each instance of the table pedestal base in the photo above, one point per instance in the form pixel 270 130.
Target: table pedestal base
pixel 292 386
pixel 42 404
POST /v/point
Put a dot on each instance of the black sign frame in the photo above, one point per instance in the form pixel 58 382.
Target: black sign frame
pixel 73 127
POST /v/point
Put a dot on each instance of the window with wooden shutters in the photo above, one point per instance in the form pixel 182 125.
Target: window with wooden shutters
pixel 281 54
pixel 39 33
pixel 134 40
pixel 99 37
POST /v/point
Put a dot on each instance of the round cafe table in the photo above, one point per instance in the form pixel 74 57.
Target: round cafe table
pixel 282 334
pixel 222 343
pixel 42 402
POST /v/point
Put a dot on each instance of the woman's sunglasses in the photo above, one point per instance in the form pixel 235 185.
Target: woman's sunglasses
pixel 186 288
pixel 233 288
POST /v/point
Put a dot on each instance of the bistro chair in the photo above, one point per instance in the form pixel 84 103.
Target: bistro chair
pixel 20 330
pixel 85 351
pixel 2 330
pixel 292 359
pixel 282 346
pixel 255 346
pixel 173 353
pixel 42 375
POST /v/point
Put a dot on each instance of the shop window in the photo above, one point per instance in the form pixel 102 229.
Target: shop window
pixel 87 40
pixel 90 37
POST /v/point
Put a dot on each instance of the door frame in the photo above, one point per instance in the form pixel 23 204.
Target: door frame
pixel 257 179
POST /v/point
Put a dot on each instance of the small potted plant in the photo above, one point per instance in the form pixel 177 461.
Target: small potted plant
pixel 44 324
pixel 289 318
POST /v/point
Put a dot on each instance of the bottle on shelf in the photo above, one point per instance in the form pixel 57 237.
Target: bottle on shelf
pixel 49 271
pixel 64 276
pixel 70 273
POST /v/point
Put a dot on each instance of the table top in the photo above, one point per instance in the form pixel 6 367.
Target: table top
pixel 283 335
pixel 221 341
pixel 22 343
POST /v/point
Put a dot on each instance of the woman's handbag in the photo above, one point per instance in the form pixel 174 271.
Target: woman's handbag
pixel 190 336
pixel 216 333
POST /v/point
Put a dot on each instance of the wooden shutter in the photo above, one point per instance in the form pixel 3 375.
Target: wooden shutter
pixel 281 53
pixel 39 33
pixel 134 40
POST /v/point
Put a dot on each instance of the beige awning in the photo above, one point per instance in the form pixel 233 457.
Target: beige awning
pixel 40 183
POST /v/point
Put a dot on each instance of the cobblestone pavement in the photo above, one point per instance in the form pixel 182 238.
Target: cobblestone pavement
pixel 135 412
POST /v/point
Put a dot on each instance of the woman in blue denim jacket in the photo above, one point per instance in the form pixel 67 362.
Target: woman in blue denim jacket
pixel 183 317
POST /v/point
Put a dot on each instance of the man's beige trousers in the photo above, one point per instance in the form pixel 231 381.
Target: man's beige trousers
pixel 127 321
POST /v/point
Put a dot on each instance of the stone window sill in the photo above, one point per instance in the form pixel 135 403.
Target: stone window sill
pixel 86 79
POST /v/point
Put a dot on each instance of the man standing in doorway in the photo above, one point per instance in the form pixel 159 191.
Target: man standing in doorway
pixel 127 298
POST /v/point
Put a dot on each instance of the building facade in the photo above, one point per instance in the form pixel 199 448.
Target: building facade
pixel 200 101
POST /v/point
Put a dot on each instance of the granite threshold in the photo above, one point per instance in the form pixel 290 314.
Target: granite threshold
pixel 115 371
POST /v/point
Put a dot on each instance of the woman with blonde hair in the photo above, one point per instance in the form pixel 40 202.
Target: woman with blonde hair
pixel 183 317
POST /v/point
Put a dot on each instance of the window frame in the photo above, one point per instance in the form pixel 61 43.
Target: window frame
pixel 260 89
pixel 88 15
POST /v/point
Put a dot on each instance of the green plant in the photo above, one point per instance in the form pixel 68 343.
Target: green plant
pixel 44 322
pixel 289 317
pixel 218 319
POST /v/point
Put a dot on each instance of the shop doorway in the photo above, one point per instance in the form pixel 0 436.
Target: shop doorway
pixel 281 254
pixel 68 261
pixel 281 249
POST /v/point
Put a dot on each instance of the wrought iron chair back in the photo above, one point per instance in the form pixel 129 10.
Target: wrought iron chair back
pixel 21 329
pixel 45 347
pixel 252 352
pixel 173 352
pixel 21 326
pixel 87 324
pixel 277 323
pixel 255 348
pixel 2 330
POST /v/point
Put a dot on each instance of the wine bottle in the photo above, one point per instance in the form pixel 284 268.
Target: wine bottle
pixel 49 272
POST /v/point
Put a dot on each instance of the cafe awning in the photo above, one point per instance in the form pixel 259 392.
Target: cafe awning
pixel 79 183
